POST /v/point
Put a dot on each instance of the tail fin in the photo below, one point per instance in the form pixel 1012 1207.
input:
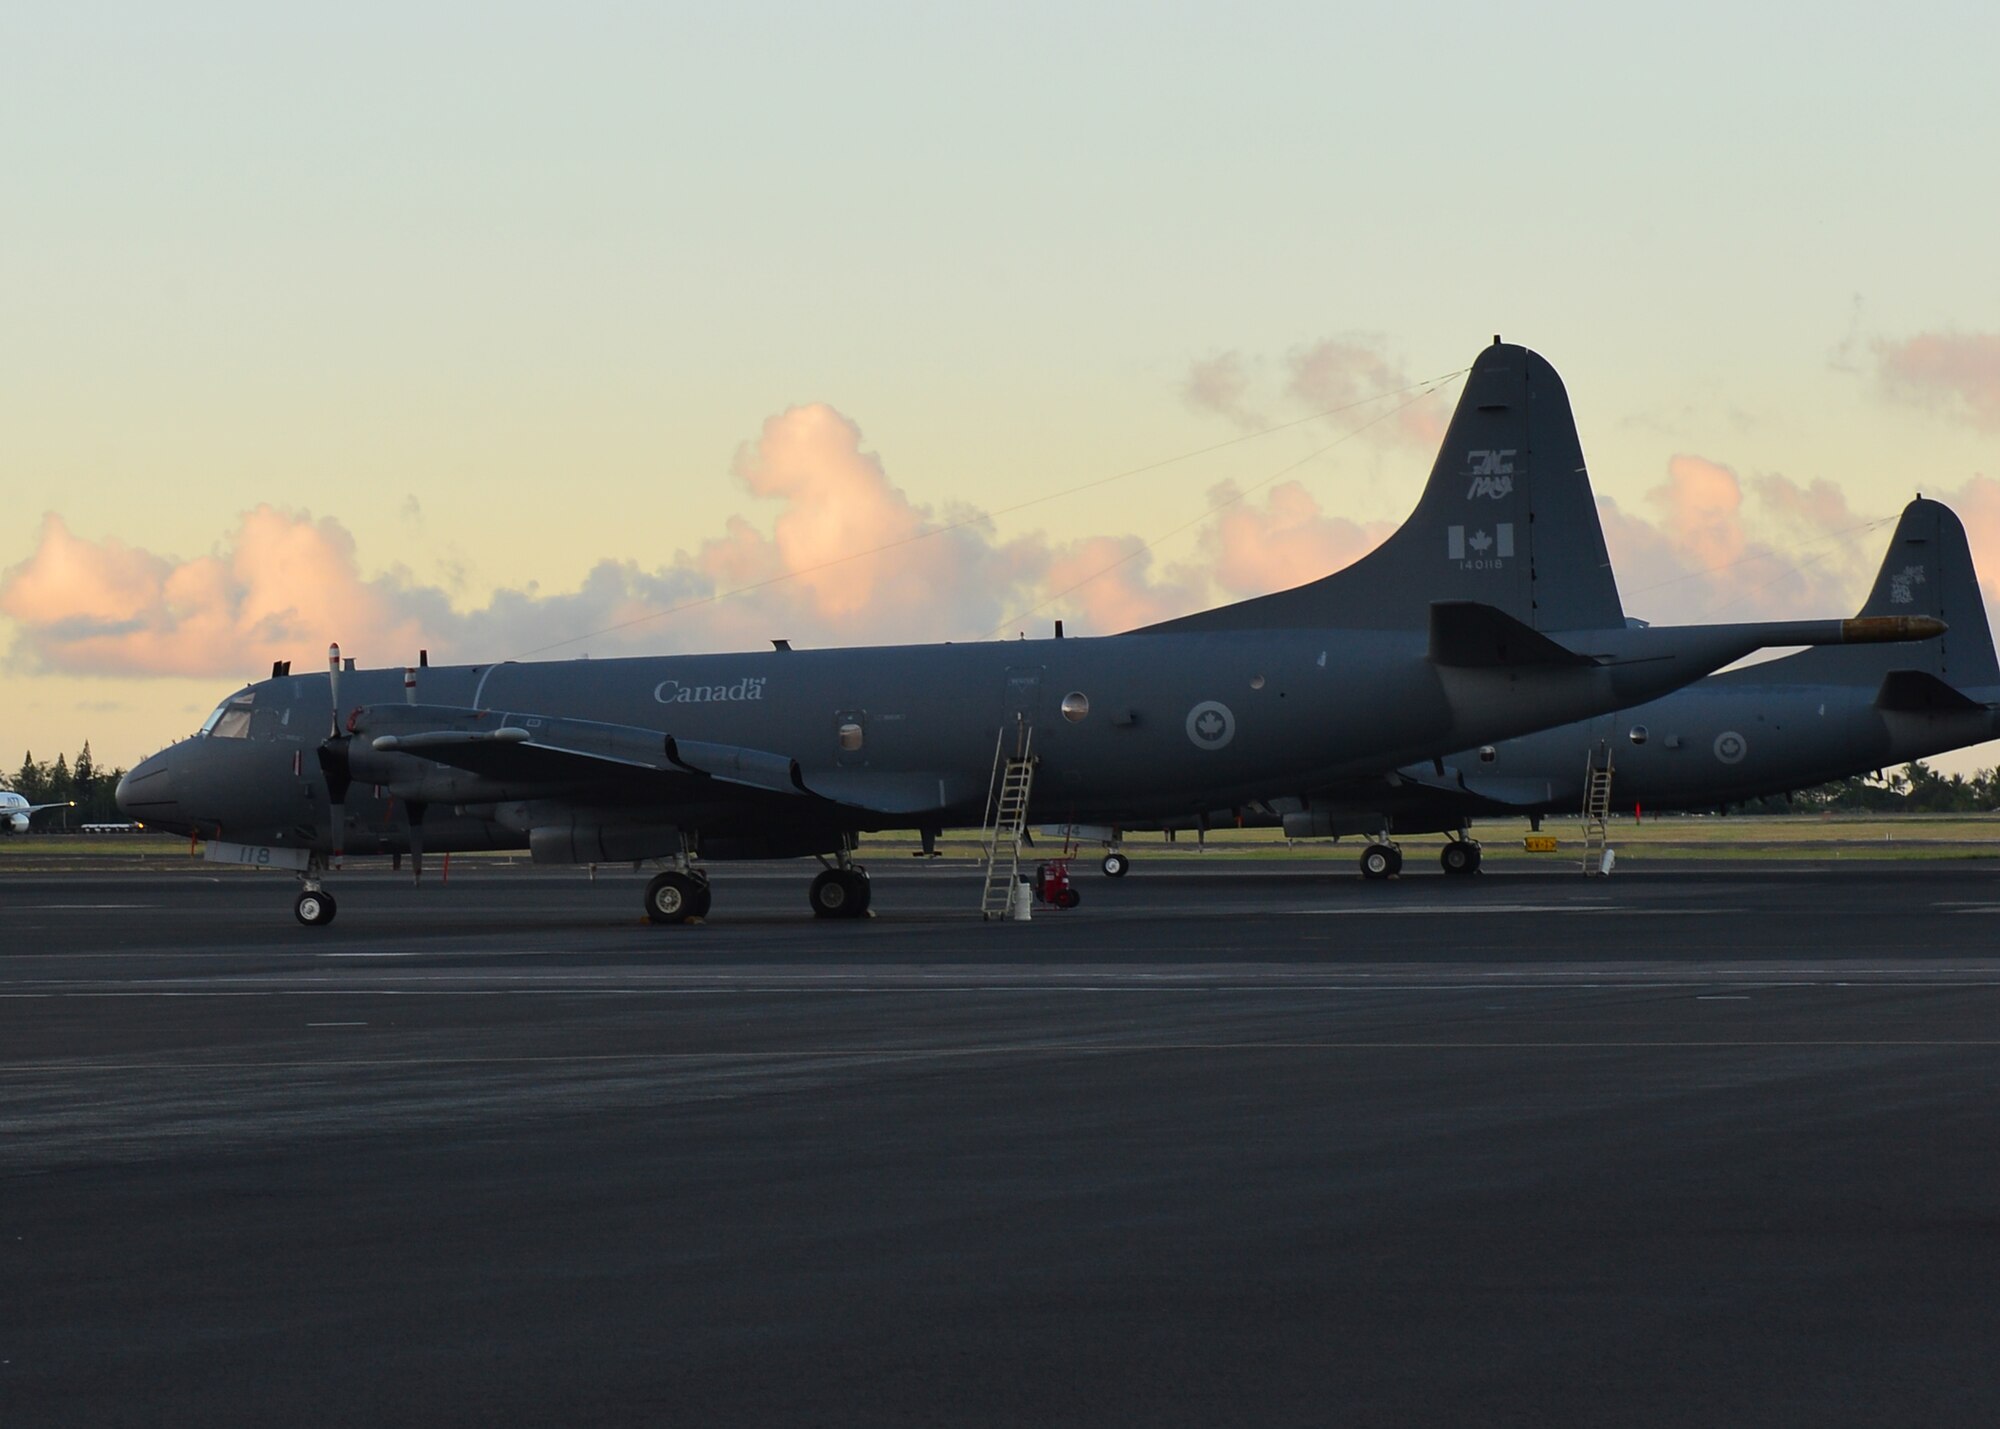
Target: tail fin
pixel 1928 570
pixel 1508 520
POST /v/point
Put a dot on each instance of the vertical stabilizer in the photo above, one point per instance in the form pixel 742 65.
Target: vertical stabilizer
pixel 1929 571
pixel 1508 520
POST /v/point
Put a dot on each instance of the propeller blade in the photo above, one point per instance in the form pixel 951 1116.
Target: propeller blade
pixel 414 811
pixel 333 764
pixel 333 687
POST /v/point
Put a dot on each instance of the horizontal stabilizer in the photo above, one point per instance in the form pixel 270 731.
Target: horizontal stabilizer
pixel 1915 692
pixel 1468 635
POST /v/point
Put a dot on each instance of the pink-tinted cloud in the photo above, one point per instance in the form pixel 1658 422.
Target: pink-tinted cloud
pixel 281 582
pixel 1287 541
pixel 1716 551
pixel 847 558
pixel 1978 506
pixel 1959 372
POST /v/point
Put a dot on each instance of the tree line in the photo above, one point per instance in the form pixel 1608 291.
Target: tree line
pixel 93 789
pixel 1914 789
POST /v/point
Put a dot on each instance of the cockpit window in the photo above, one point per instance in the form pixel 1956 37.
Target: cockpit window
pixel 231 719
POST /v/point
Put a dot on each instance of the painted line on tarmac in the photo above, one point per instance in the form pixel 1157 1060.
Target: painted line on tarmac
pixel 868 1055
pixel 1472 910
pixel 81 907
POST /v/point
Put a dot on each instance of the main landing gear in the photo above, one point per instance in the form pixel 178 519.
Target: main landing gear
pixel 1381 860
pixel 680 895
pixel 1459 857
pixel 842 891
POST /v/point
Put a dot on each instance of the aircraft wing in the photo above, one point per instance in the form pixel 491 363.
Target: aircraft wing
pixel 1492 789
pixel 514 746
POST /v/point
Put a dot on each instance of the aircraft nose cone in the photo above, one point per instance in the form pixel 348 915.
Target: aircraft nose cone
pixel 146 793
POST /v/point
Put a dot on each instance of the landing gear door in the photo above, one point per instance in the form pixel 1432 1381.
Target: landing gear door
pixel 1022 708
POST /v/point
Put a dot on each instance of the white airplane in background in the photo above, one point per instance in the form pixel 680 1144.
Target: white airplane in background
pixel 16 811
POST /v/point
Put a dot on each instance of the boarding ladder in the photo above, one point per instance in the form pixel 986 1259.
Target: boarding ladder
pixel 1596 806
pixel 1006 821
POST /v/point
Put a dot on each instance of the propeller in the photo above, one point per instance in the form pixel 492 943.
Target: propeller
pixel 333 761
pixel 413 814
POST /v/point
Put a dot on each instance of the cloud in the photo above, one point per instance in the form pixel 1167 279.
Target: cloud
pixel 1351 376
pixel 1723 549
pixel 1958 372
pixel 833 552
pixel 1341 372
pixel 847 557
pixel 1221 385
pixel 1978 506
pixel 282 581
pixel 1252 549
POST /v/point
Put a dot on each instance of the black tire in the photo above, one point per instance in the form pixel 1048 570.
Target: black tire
pixel 675 897
pixel 1068 898
pixel 840 893
pixel 1377 861
pixel 703 895
pixel 315 909
pixel 1395 860
pixel 1116 865
pixel 1458 858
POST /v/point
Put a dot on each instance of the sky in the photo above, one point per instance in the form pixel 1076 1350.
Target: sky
pixel 510 330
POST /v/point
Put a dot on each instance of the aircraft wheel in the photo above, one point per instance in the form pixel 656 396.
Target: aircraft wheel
pixel 1379 861
pixel 1116 864
pixel 703 895
pixel 1395 860
pixel 314 909
pixel 1459 858
pixel 840 893
pixel 675 897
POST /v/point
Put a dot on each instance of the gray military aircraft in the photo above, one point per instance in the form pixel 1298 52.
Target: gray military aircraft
pixel 1492 612
pixel 1786 724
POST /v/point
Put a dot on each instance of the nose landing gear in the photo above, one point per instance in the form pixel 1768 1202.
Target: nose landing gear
pixel 314 906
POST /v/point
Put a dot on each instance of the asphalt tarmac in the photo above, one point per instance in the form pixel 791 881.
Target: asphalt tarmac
pixel 1241 1145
